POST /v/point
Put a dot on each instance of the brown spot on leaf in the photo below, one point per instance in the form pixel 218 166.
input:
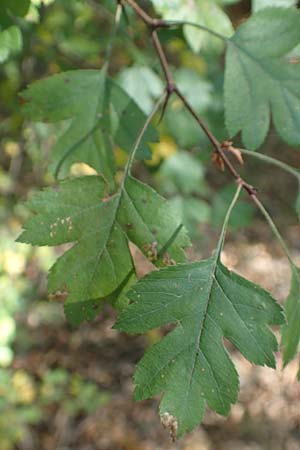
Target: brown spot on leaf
pixel 168 261
pixel 170 423
pixel 151 251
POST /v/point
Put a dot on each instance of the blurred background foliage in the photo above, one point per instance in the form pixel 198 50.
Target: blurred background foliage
pixel 44 37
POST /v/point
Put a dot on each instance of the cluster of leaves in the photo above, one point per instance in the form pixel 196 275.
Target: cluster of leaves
pixel 101 215
pixel 207 302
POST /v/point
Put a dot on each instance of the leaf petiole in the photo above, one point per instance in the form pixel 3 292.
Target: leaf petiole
pixel 269 160
pixel 226 220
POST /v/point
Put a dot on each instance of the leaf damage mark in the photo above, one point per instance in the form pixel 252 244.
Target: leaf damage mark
pixel 151 251
pixel 168 261
pixel 170 423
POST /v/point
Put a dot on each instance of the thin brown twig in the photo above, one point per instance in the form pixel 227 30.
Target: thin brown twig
pixel 153 25
pixel 216 144
pixel 140 12
pixel 163 61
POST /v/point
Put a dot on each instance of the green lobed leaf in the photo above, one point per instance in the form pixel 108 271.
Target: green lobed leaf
pixel 100 114
pixel 291 330
pixel 191 366
pixel 258 80
pixel 100 227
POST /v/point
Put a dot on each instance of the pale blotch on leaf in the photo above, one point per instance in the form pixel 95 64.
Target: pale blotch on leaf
pixel 170 423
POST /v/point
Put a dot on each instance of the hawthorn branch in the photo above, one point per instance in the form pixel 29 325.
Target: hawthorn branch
pixel 148 20
pixel 153 25
pixel 163 61
pixel 219 148
pixel 216 144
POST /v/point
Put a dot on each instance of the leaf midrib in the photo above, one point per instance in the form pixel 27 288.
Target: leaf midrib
pixel 98 257
pixel 198 340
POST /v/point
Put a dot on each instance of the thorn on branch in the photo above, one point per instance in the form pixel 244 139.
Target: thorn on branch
pixel 228 145
pixel 158 23
pixel 169 90
pixel 164 107
pixel 252 191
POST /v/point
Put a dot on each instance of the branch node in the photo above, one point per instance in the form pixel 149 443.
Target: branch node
pixel 165 104
pixel 252 191
pixel 158 23
pixel 171 87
